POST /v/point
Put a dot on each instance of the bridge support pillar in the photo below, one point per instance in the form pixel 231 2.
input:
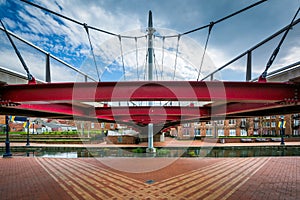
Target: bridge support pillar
pixel 150 148
pixel 150 30
pixel 48 71
pixel 249 66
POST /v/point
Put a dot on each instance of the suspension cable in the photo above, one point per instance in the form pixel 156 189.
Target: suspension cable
pixel 162 57
pixel 276 51
pixel 176 56
pixel 137 58
pixel 29 76
pixel 77 22
pixel 217 21
pixel 136 37
pixel 159 69
pixel 146 58
pixel 205 47
pixel 122 57
pixel 92 50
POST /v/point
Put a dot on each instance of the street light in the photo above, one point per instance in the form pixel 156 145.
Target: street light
pixel 7 144
pixel 282 129
pixel 32 127
pixel 27 144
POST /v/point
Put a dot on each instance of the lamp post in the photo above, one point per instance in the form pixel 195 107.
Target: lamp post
pixel 7 143
pixel 32 127
pixel 27 144
pixel 282 129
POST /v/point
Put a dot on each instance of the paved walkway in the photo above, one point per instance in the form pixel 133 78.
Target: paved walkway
pixel 150 178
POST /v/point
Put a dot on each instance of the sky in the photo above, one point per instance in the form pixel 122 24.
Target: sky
pixel 123 59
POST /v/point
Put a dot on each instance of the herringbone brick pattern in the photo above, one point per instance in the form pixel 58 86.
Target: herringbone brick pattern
pixel 207 178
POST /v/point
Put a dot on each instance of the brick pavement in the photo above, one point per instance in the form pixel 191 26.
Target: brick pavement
pixel 181 178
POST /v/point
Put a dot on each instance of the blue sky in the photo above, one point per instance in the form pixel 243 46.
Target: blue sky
pixel 68 41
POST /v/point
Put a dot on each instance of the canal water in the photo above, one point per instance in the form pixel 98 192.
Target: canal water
pixel 236 151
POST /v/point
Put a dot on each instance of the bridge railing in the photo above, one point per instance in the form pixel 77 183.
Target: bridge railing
pixel 248 54
pixel 44 66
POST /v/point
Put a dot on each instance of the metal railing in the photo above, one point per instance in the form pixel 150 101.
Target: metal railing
pixel 49 56
pixel 249 54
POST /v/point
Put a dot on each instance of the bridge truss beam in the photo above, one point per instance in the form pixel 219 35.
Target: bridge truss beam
pixel 220 99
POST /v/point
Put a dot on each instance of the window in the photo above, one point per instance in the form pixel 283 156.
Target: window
pixel 296 122
pixel 220 132
pixel 208 132
pixel 232 132
pixel 296 132
pixel 267 124
pixel 273 132
pixel 244 132
pixel 92 125
pixel 102 125
pixel 273 124
pixel 197 123
pixel 112 125
pixel 273 117
pixel 186 132
pixel 243 123
pixel 266 132
pixel 296 115
pixel 220 122
pixel 256 125
pixel 254 133
pixel 197 132
pixel 186 125
pixel 232 121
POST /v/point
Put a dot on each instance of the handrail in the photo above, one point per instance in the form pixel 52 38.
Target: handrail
pixel 253 48
pixel 47 53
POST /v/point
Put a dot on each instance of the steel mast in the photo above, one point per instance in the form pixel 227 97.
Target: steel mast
pixel 150 31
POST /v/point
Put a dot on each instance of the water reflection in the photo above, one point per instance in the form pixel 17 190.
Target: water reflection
pixel 59 155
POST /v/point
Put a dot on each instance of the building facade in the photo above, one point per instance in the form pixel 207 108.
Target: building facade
pixel 266 126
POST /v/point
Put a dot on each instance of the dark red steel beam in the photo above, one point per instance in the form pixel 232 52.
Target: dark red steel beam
pixel 151 91
pixel 289 109
pixel 233 108
pixel 121 114
pixel 149 114
pixel 151 111
pixel 67 109
pixel 145 119
pixel 33 113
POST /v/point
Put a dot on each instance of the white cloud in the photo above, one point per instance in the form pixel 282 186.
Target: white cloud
pixel 69 40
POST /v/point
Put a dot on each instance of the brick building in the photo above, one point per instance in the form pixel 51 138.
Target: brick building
pixel 93 126
pixel 258 126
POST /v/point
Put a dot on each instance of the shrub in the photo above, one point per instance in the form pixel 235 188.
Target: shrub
pixel 163 152
pixel 138 150
pixel 192 154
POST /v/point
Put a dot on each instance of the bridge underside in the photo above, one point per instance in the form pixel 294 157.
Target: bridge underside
pixel 194 101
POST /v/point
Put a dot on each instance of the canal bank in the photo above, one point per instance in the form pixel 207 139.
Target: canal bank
pixel 174 150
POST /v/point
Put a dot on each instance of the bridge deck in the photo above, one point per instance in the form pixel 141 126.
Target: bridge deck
pixel 220 99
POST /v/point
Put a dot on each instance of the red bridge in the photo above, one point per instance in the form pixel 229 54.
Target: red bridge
pixel 219 99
